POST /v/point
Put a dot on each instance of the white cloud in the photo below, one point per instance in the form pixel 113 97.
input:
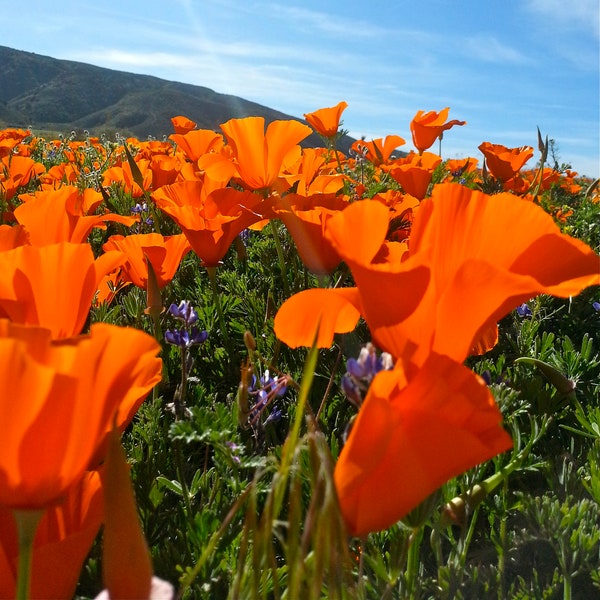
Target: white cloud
pixel 489 49
pixel 584 14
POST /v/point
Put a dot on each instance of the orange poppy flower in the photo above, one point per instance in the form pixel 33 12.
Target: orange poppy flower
pixel 164 253
pixel 306 219
pixel 58 402
pixel 397 453
pixel 16 172
pixel 10 139
pixel 52 286
pixel 378 151
pixel 123 176
pixel 459 276
pixel 61 215
pixel 259 156
pixel 198 142
pixel 182 124
pixel 414 173
pixel 211 222
pixel 62 542
pixel 426 128
pixel 505 163
pixel 326 121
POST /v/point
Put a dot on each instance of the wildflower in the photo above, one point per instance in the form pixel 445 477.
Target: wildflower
pixel 523 310
pixel 326 121
pixel 426 128
pixel 360 372
pixel 63 539
pixel 188 336
pixel 185 338
pixel 210 222
pixel 52 286
pixel 164 253
pixel 505 163
pixel 596 306
pixel 259 156
pixel 62 397
pixel 411 435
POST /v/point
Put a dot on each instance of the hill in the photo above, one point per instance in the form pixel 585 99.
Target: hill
pixel 55 95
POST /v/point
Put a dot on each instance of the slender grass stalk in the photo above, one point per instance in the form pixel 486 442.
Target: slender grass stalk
pixel 213 543
pixel 212 276
pixel 280 257
pixel 27 523
pixel 412 561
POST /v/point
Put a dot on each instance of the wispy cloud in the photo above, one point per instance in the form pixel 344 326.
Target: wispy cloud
pixel 489 49
pixel 584 14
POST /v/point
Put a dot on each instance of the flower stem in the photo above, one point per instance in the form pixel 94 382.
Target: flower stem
pixel 280 256
pixel 27 522
pixel 212 275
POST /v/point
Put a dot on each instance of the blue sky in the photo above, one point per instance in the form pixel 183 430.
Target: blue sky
pixel 504 67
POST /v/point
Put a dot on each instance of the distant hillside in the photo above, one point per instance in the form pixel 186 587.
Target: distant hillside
pixel 61 96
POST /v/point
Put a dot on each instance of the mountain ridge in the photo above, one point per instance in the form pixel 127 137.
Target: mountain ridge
pixel 51 94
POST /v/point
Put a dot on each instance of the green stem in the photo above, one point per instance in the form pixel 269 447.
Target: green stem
pixel 280 257
pixel 212 275
pixel 412 560
pixel 27 522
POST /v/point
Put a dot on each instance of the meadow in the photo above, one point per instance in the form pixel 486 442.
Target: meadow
pixel 252 369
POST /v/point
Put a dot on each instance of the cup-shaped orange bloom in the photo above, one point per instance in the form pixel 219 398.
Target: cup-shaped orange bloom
pixel 505 163
pixel 62 542
pixel 410 437
pixel 212 222
pixel 306 219
pixel 259 156
pixel 460 276
pixel 426 128
pixel 164 253
pixel 414 173
pixel 58 402
pixel 378 151
pixel 198 142
pixel 182 124
pixel 15 172
pixel 52 286
pixel 61 215
pixel 326 121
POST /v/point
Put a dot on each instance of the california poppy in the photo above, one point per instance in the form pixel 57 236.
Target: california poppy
pixel 182 124
pixel 458 257
pixel 326 121
pixel 197 142
pixel 378 151
pixel 412 435
pixel 305 218
pixel 52 286
pixel 259 156
pixel 426 128
pixel 62 215
pixel 165 254
pixel 209 222
pixel 505 163
pixel 414 173
pixel 59 400
pixel 62 542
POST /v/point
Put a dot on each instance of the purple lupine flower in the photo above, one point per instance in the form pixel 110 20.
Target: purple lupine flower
pixel 524 311
pixel 185 338
pixel 360 372
pixel 184 312
pixel 596 306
